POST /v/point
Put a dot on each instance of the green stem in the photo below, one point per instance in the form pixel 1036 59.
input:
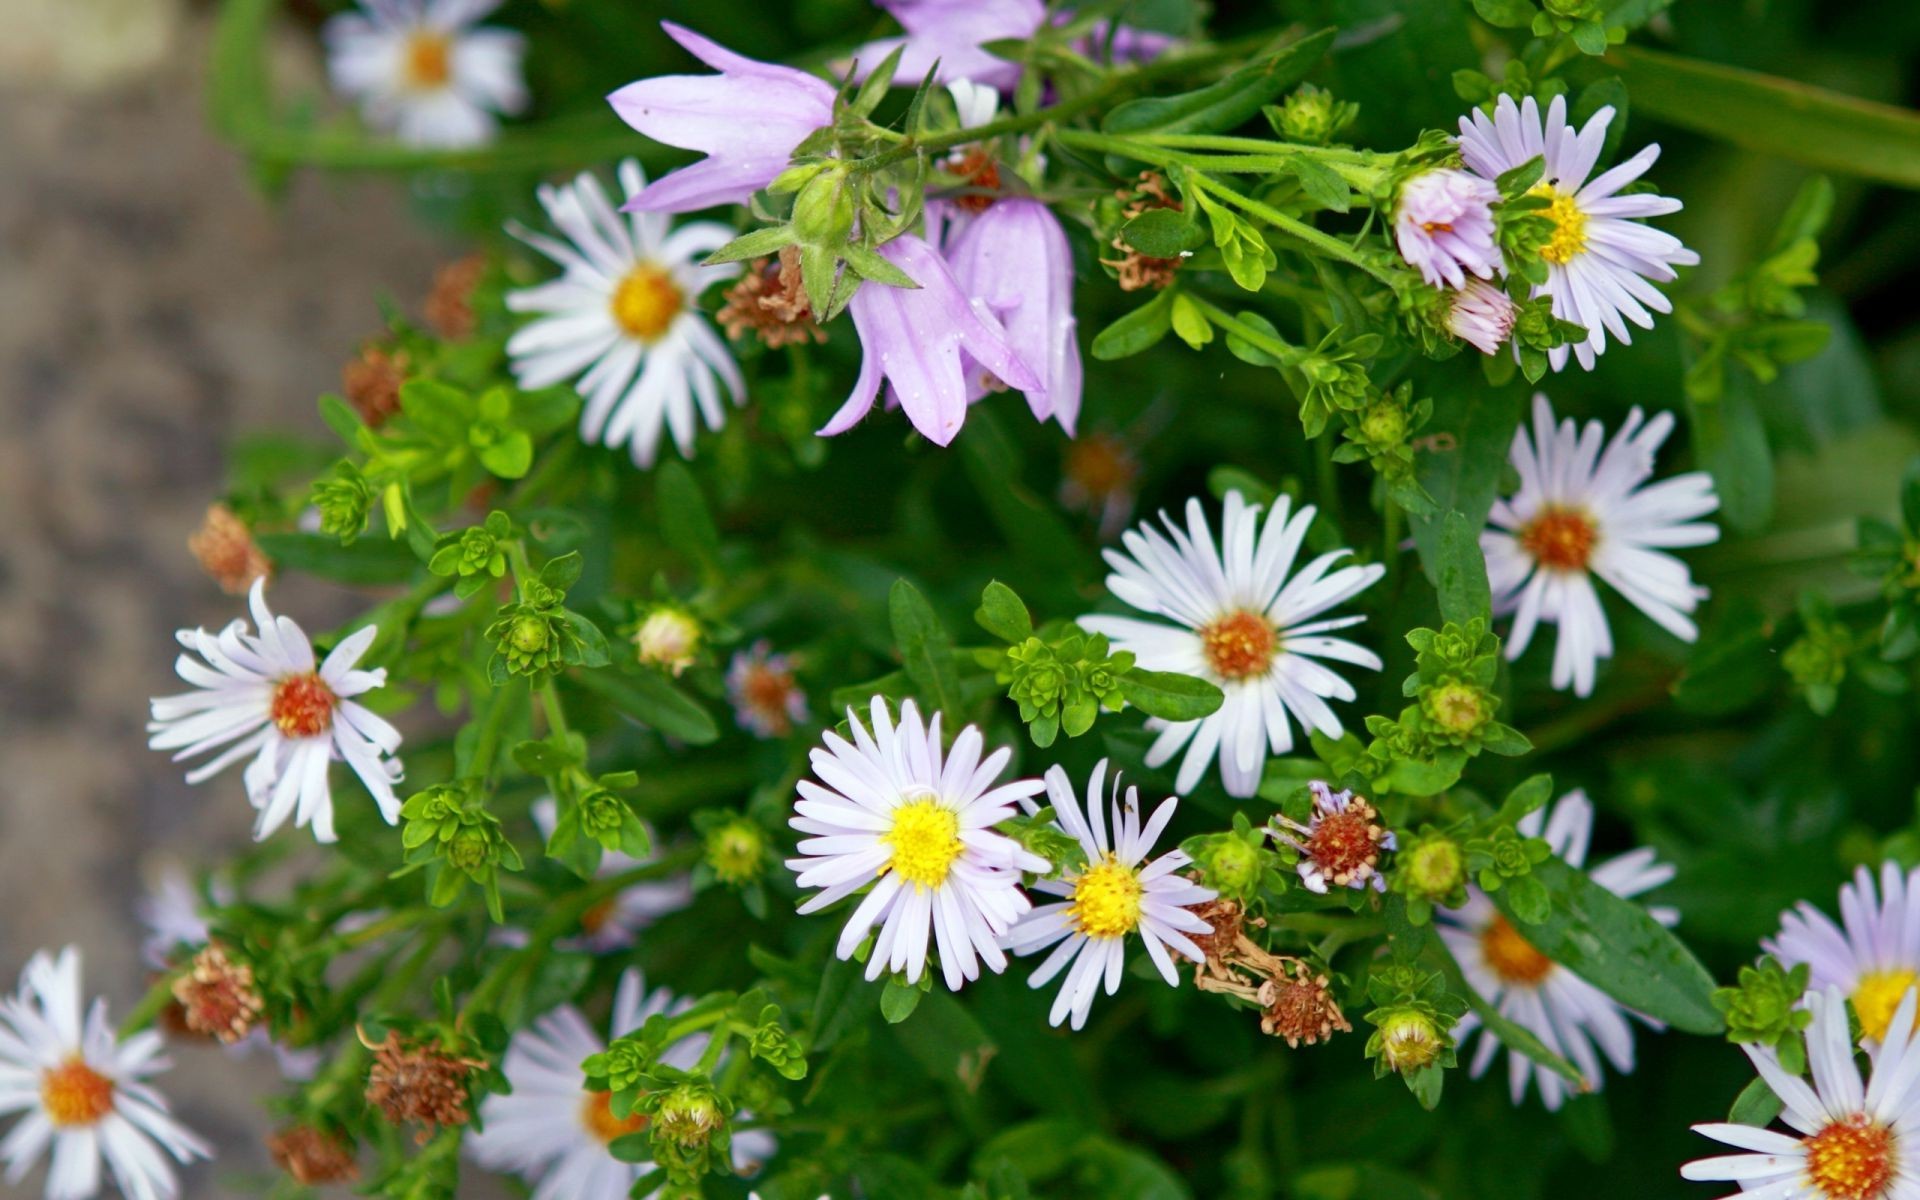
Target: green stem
pixel 1293 227
pixel 142 1014
pixel 487 745
pixel 1257 338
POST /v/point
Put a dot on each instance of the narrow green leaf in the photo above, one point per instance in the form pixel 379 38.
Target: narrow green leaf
pixel 925 649
pixel 685 520
pixel 1730 441
pixel 1756 1105
pixel 1139 330
pixel 898 1000
pixel 1224 105
pixel 1616 946
pixel 1163 233
pixel 760 243
pixel 368 560
pixel 649 698
pixel 1170 696
pixel 1003 614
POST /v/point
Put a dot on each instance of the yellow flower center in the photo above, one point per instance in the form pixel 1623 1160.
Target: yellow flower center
pixel 428 60
pixel 926 839
pixel 1877 997
pixel 1240 644
pixel 1851 1159
pixel 303 706
pixel 1512 957
pixel 1106 899
pixel 1569 225
pixel 1560 539
pixel 596 1116
pixel 646 302
pixel 73 1093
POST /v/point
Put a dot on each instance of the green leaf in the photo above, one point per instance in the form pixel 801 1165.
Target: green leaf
pixel 1163 233
pixel 1462 569
pixel 1730 441
pixel 1003 614
pixel 1515 1036
pixel 1463 480
pixel 925 649
pixel 1139 330
pixel 1616 946
pixel 1756 1105
pixel 341 418
pixel 510 457
pixel 760 243
pixel 1529 796
pixel 1169 695
pixel 1226 104
pixel 1321 183
pixel 1507 14
pixel 898 1000
pixel 685 521
pixel 1774 116
pixel 651 699
pixel 593 643
pixel 872 267
pixel 369 560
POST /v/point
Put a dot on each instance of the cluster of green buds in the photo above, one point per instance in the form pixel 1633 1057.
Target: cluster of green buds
pixel 538 635
pixel 1333 379
pixel 1382 434
pixel 1758 318
pixel 448 831
pixel 1763 1009
pixel 768 1039
pixel 1063 682
pixel 345 502
pixel 1243 246
pixel 1583 22
pixel 1452 719
pixel 473 556
pixel 1505 857
pixel 1430 869
pixel 1239 862
pixel 1311 115
pixel 1413 1019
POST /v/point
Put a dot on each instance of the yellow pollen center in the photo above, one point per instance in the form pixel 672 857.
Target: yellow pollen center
pixel 646 302
pixel 1240 644
pixel 926 839
pixel 1878 995
pixel 1560 539
pixel 429 62
pixel 1569 225
pixel 73 1093
pixel 1513 957
pixel 1106 899
pixel 596 1115
pixel 1851 1159
pixel 303 706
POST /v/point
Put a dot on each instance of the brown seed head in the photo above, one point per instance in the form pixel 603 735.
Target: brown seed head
pixel 227 551
pixel 372 383
pixel 449 307
pixel 419 1082
pixel 313 1156
pixel 771 303
pixel 1301 1009
pixel 218 997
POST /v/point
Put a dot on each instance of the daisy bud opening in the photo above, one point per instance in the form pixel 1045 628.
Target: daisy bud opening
pixel 1481 315
pixel 217 996
pixel 1443 225
pixel 1230 865
pixel 767 701
pixel 1406 1040
pixel 314 1157
pixel 419 1083
pixel 1300 1008
pixel 371 383
pixel 668 638
pixel 1312 115
pixel 1458 708
pixel 736 851
pixel 770 302
pixel 227 552
pixel 449 306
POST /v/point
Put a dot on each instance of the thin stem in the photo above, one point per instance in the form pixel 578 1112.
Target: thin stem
pixel 142 1014
pixel 1293 227
pixel 1257 338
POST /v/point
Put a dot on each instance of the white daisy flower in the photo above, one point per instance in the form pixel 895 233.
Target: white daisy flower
pixel 1564 1011
pixel 1873 958
pixel 1855 1142
pixel 1242 624
pixel 615 923
pixel 262 695
pixel 1580 513
pixel 83 1092
pixel 622 320
pixel 892 813
pixel 1443 225
pixel 1600 256
pixel 1481 315
pixel 552 1132
pixel 1118 892
pixel 423 72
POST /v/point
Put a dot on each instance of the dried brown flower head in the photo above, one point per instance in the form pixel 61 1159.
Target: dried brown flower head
pixel 227 551
pixel 1300 1008
pixel 218 996
pixel 419 1082
pixel 313 1156
pixel 449 307
pixel 770 302
pixel 372 382
pixel 1226 918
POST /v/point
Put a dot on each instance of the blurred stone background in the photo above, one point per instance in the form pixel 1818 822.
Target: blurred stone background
pixel 152 305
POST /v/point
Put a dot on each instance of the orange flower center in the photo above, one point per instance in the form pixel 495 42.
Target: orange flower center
pixel 1513 957
pixel 766 690
pixel 429 60
pixel 596 1114
pixel 73 1093
pixel 1343 843
pixel 1101 465
pixel 979 171
pixel 1240 644
pixel 303 706
pixel 1560 539
pixel 1851 1159
pixel 646 302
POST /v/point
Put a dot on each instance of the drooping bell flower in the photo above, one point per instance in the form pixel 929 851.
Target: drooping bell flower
pixel 931 343
pixel 747 120
pixel 1013 257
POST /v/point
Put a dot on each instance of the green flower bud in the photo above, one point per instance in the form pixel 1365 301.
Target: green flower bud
pixel 1406 1040
pixel 736 851
pixel 1232 866
pixel 1313 116
pixel 668 638
pixel 1762 1008
pixel 1433 868
pixel 1456 707
pixel 345 501
pixel 469 850
pixel 823 212
pixel 529 634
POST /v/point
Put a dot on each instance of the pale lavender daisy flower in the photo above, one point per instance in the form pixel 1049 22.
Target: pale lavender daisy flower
pixel 1564 1011
pixel 1601 256
pixel 930 343
pixel 1443 224
pixel 1118 892
pixel 766 700
pixel 1582 514
pixel 746 120
pixel 1873 957
pixel 1014 259
pixel 1482 315
pixel 424 72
